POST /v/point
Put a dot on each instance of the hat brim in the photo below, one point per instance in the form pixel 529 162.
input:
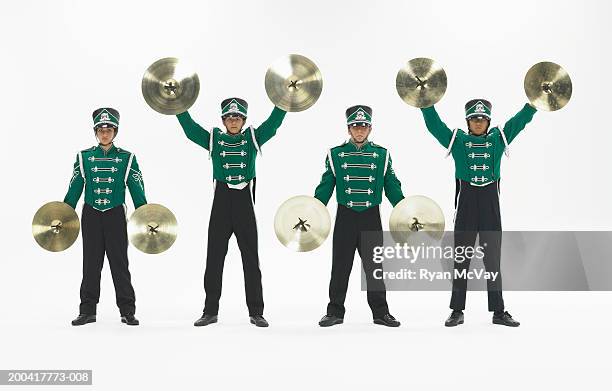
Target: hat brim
pixel 478 116
pixel 360 124
pixel 106 125
pixel 224 116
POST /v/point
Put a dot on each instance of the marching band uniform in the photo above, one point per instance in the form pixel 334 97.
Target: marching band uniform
pixel 477 171
pixel 359 175
pixel 104 175
pixel 233 160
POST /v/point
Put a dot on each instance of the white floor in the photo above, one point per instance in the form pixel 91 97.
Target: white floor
pixel 563 343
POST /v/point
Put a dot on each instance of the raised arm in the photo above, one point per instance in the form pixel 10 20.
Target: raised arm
pixel 325 189
pixel 75 188
pixel 193 131
pixel 436 127
pixel 268 128
pixel 393 187
pixel 135 184
pixel 517 123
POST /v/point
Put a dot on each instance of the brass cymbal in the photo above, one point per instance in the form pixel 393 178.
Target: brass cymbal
pixel 55 226
pixel 548 86
pixel 302 223
pixel 170 86
pixel 152 228
pixel 421 83
pixel 293 83
pixel 414 214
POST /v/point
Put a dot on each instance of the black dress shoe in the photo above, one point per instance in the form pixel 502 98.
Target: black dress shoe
pixel 259 321
pixel 455 319
pixel 387 320
pixel 205 320
pixel 83 319
pixel 505 319
pixel 130 320
pixel 330 320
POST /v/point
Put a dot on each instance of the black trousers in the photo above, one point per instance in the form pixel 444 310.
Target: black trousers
pixel 105 232
pixel 477 213
pixel 232 213
pixel 347 238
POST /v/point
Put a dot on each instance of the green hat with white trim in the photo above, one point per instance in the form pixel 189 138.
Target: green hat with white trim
pixel 234 106
pixel 359 115
pixel 478 108
pixel 105 117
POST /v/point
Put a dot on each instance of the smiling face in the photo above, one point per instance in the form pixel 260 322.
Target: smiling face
pixel 105 135
pixel 233 123
pixel 359 134
pixel 478 126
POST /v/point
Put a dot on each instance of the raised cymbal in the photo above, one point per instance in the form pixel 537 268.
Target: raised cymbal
pixel 548 86
pixel 413 214
pixel 302 223
pixel 170 86
pixel 421 83
pixel 55 226
pixel 293 83
pixel 152 228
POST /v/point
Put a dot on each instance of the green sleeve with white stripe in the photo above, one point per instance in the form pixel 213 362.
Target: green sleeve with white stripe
pixel 393 187
pixel 326 187
pixel 75 188
pixel 136 184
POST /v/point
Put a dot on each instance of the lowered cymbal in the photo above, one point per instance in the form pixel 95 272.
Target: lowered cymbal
pixel 55 226
pixel 302 223
pixel 421 83
pixel 293 83
pixel 548 86
pixel 152 228
pixel 170 86
pixel 414 214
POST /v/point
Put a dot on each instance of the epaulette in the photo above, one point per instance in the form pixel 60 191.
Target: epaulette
pixel 377 146
pixel 88 149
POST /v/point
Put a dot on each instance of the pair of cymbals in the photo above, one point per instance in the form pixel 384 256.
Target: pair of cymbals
pixel 293 83
pixel 302 223
pixel 422 83
pixel 152 228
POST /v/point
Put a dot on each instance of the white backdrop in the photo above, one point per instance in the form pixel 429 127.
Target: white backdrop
pixel 63 59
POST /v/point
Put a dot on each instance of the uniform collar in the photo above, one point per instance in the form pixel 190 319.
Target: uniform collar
pixel 225 132
pixel 110 150
pixel 484 135
pixel 363 146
